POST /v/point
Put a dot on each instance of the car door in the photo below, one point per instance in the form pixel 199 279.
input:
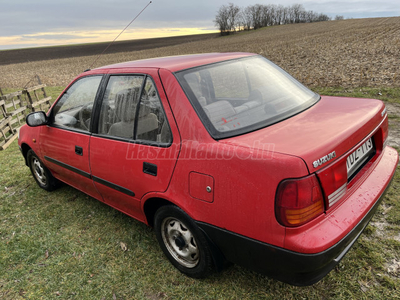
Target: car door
pixel 133 151
pixel 64 143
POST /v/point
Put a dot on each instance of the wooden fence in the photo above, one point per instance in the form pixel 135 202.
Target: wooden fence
pixel 16 106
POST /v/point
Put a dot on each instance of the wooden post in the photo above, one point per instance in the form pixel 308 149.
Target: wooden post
pixel 3 108
pixel 21 105
pixel 40 82
pixel 30 101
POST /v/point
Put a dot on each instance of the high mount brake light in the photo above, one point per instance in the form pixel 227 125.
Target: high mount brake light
pixel 298 201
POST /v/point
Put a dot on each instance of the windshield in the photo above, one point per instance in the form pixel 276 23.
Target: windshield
pixel 238 96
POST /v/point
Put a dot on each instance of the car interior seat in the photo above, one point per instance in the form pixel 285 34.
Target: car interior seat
pixel 125 110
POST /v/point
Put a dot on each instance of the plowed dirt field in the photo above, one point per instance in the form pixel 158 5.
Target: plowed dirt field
pixel 350 53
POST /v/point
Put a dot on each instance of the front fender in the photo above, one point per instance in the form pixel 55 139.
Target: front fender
pixel 29 139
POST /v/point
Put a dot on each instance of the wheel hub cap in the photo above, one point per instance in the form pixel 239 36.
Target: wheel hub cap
pixel 38 171
pixel 180 242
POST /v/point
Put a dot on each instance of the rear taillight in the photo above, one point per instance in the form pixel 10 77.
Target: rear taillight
pixel 298 201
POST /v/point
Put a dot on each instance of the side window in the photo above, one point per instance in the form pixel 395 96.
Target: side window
pixel 152 123
pixel 118 109
pixel 74 108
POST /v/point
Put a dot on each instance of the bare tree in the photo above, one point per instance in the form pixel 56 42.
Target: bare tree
pixel 297 10
pixel 285 15
pixel 256 13
pixel 322 17
pixel 227 18
pixel 246 18
pixel 273 15
pixel 233 16
pixel 280 14
pixel 310 16
pixel 230 16
pixel 222 19
pixel 338 18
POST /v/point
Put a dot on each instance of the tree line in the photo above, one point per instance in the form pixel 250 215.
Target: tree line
pixel 231 17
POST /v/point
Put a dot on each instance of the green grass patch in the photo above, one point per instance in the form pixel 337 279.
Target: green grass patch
pixel 54 91
pixel 66 245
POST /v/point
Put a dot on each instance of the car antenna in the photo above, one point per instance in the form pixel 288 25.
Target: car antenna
pixel 118 36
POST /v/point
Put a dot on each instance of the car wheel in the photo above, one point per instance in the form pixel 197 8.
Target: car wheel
pixel 183 242
pixel 41 174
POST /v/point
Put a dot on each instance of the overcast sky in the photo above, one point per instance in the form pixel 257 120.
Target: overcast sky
pixel 28 23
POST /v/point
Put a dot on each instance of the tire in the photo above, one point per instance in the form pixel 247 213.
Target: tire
pixel 40 173
pixel 183 242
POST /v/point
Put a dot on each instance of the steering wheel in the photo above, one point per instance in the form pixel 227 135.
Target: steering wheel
pixel 88 111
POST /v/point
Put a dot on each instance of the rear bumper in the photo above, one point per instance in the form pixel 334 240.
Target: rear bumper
pixel 303 268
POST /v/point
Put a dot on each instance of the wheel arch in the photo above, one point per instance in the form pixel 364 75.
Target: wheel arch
pixel 153 204
pixel 24 149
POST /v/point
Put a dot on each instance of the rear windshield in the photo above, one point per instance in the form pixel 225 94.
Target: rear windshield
pixel 242 95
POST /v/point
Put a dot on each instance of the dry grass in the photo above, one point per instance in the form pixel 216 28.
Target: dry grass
pixel 350 53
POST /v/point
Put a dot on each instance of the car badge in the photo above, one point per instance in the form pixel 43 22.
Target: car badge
pixel 324 159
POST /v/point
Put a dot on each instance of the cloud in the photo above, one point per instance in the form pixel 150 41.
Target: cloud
pixel 25 18
pixel 61 37
pixel 75 37
pixel 21 17
pixel 356 8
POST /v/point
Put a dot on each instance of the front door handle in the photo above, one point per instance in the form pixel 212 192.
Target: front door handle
pixel 78 150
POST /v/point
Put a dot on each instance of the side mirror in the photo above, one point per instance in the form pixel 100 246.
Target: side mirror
pixel 36 119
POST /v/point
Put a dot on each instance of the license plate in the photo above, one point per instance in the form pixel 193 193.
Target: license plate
pixel 358 157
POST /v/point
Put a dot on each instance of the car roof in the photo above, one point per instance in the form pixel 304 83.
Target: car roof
pixel 178 63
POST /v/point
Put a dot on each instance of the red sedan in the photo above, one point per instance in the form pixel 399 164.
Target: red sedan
pixel 226 155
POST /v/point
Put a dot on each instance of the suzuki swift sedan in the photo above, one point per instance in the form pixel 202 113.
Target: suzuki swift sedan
pixel 227 156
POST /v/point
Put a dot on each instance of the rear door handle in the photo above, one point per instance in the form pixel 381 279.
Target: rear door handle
pixel 78 150
pixel 149 168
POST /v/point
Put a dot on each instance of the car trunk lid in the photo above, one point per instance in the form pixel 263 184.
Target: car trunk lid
pixel 321 134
